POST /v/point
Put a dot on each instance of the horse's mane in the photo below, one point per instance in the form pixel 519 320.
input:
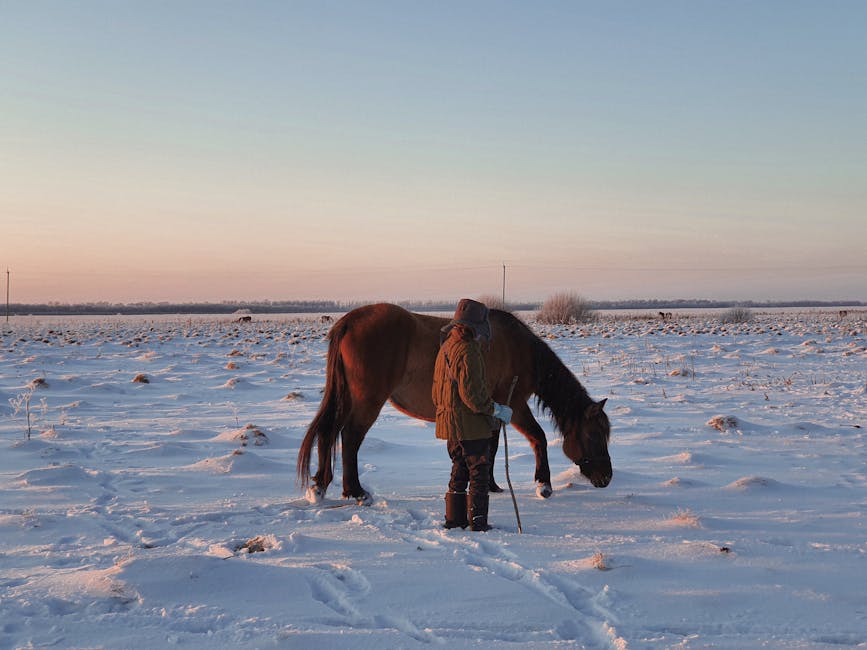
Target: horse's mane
pixel 557 390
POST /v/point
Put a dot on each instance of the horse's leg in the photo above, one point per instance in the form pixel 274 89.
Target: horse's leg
pixel 495 444
pixel 324 473
pixel 356 428
pixel 523 421
pixel 352 489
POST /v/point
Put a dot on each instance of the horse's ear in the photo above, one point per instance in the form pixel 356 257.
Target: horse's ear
pixel 595 409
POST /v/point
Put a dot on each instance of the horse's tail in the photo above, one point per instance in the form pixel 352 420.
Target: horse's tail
pixel 336 403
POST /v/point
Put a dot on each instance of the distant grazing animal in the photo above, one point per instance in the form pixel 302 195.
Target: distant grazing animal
pixel 666 315
pixel 325 318
pixel 383 352
pixel 842 314
pixel 245 319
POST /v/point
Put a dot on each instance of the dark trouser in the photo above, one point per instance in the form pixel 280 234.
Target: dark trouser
pixel 471 465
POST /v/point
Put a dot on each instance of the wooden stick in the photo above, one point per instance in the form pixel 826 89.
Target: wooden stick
pixel 506 449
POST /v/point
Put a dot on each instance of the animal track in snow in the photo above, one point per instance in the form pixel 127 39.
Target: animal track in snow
pixel 338 587
pixel 486 554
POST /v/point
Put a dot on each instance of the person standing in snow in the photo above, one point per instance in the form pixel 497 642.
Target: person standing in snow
pixel 464 412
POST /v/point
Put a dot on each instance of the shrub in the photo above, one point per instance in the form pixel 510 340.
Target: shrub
pixel 564 309
pixel 736 315
pixel 493 302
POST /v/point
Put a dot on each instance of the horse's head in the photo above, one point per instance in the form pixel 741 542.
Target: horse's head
pixel 586 444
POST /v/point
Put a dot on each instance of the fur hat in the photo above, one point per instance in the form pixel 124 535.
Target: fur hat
pixel 474 315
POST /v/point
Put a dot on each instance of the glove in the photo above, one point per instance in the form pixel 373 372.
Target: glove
pixel 502 413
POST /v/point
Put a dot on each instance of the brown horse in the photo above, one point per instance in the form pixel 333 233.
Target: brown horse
pixel 383 352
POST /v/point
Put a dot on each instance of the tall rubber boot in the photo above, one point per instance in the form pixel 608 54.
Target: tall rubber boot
pixel 456 510
pixel 477 511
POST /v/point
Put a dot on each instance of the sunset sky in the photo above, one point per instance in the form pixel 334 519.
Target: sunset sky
pixel 205 150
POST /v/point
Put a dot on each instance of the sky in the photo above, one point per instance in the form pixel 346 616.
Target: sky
pixel 206 151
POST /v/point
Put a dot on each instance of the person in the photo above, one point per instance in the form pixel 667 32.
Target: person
pixel 464 412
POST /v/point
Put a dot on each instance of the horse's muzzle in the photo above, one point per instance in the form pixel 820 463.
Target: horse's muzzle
pixel 598 470
pixel 601 480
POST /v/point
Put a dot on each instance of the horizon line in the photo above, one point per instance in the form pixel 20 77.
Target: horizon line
pixel 321 304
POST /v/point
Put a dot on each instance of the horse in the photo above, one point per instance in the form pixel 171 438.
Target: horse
pixel 382 352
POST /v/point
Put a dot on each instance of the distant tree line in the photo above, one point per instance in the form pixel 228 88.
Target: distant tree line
pixel 720 304
pixel 142 308
pixel 332 306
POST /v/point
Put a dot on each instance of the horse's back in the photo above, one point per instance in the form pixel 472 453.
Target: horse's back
pixel 389 353
pixel 374 342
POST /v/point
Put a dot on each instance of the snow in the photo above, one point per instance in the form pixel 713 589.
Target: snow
pixel 166 513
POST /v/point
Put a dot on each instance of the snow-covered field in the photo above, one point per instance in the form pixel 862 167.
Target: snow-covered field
pixel 160 514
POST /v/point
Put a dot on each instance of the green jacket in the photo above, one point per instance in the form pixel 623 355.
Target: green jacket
pixel 460 391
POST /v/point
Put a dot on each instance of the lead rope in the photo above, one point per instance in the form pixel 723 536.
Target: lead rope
pixel 506 447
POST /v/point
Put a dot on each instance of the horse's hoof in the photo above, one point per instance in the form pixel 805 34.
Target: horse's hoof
pixel 544 490
pixel 315 494
pixel 364 498
pixel 493 487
